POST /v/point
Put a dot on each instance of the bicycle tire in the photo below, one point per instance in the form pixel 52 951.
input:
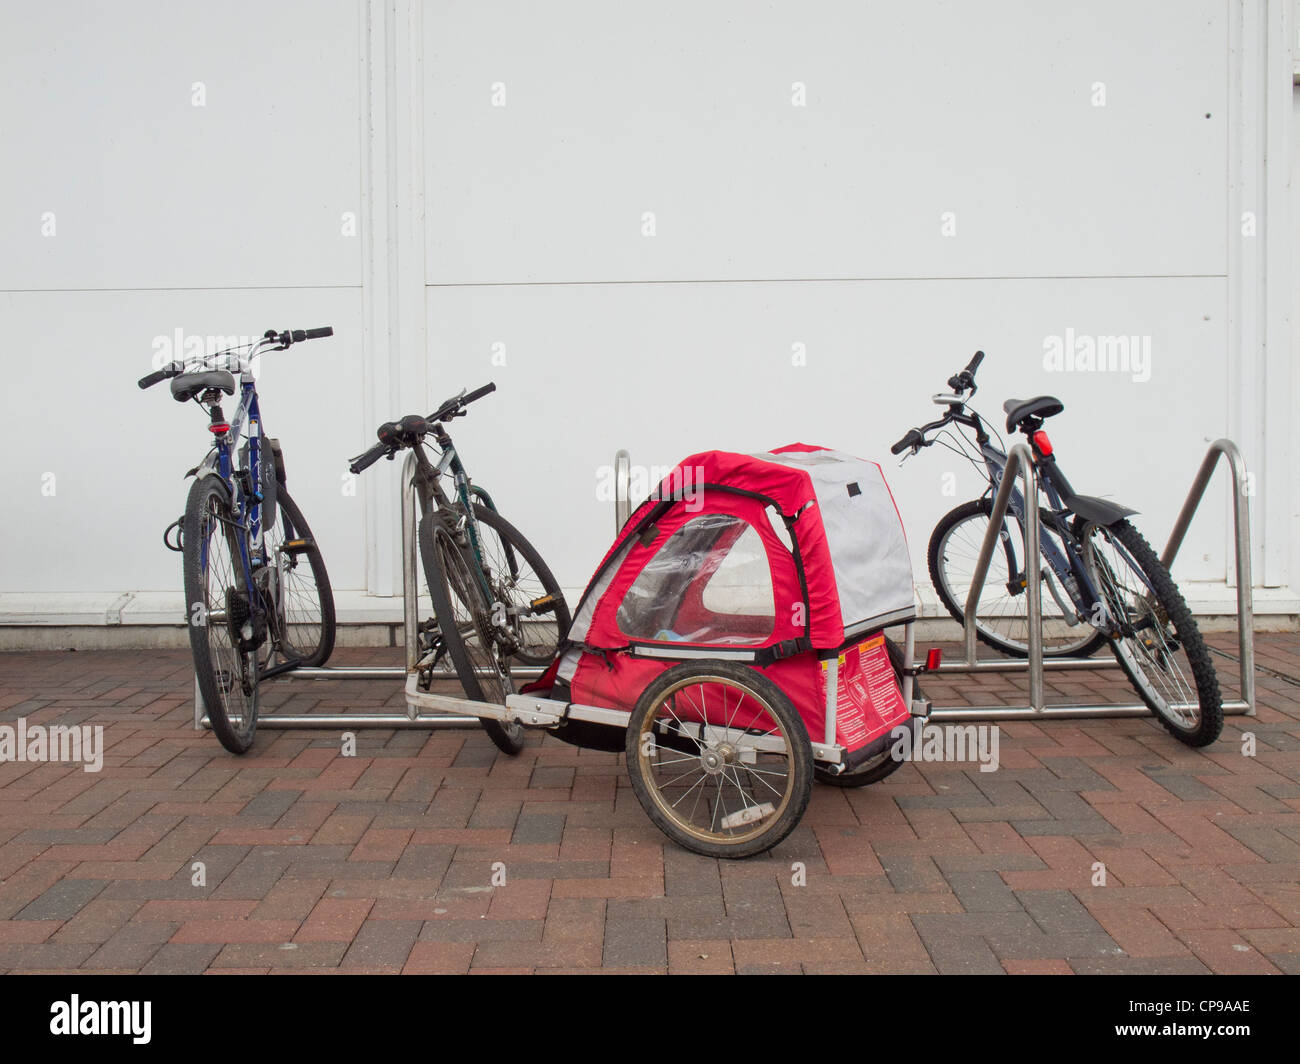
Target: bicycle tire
pixel 227 674
pixel 304 640
pixel 539 639
pixel 464 625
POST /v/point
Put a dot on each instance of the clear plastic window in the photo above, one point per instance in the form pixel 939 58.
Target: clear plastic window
pixel 709 583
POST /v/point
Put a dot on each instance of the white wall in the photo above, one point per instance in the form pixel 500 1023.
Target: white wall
pixel 217 220
pixel 519 228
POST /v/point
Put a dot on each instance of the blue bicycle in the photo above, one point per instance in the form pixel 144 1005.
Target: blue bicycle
pixel 1105 584
pixel 257 595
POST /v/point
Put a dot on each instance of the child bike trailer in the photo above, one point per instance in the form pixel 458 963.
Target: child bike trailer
pixel 737 618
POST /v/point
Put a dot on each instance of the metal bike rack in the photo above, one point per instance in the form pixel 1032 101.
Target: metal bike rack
pixel 622 490
pixel 412 718
pixel 1020 465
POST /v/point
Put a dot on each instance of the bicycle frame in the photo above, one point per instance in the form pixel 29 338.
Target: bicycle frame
pixel 246 495
pixel 430 491
pixel 1070 571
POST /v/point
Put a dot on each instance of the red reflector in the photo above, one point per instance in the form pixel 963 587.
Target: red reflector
pixel 933 657
pixel 218 428
pixel 1041 441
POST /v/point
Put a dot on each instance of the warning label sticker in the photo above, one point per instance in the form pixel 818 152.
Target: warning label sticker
pixel 868 701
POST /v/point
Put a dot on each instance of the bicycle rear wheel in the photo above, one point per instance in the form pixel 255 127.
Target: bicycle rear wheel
pixel 219 613
pixel 304 614
pixel 465 626
pixel 523 582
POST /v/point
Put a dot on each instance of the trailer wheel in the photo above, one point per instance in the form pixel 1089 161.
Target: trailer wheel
pixel 719 759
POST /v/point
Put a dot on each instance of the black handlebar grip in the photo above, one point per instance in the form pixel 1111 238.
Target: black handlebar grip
pixel 369 458
pixel 911 439
pixel 152 379
pixel 975 362
pixel 478 393
pixel 317 334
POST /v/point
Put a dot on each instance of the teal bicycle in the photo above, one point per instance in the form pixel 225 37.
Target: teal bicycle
pixel 495 601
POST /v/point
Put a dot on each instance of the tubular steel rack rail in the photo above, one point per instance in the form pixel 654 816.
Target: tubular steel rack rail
pixel 1020 464
pixel 452 712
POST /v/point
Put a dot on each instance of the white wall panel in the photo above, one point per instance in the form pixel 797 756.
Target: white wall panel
pixel 913 109
pixel 148 190
pixel 118 455
pixel 1107 220
pixel 669 369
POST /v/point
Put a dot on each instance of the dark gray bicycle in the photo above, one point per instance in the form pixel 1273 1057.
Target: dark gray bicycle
pixel 1105 584
pixel 495 601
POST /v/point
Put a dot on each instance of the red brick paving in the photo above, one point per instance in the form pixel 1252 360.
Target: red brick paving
pixel 384 862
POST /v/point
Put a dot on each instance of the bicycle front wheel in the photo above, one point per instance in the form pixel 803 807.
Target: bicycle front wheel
pixel 522 581
pixel 1155 640
pixel 219 615
pixel 304 613
pixel 1002 617
pixel 465 626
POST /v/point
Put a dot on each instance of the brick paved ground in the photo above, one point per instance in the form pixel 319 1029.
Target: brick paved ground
pixel 382 862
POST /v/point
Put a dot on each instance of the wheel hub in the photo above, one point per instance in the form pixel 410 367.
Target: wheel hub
pixel 716 758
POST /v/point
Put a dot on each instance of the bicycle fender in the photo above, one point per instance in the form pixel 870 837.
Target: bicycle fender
pixel 204 468
pixel 280 475
pixel 1104 512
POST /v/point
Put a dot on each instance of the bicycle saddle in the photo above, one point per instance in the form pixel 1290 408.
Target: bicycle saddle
pixel 1020 410
pixel 188 385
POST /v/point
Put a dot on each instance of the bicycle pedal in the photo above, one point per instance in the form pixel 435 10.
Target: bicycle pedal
pixel 295 546
pixel 545 604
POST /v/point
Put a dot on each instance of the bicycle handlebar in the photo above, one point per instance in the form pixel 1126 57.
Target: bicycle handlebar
pixel 959 382
pixel 368 458
pixel 912 439
pixel 150 379
pixel 451 407
pixel 394 435
pixel 284 339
